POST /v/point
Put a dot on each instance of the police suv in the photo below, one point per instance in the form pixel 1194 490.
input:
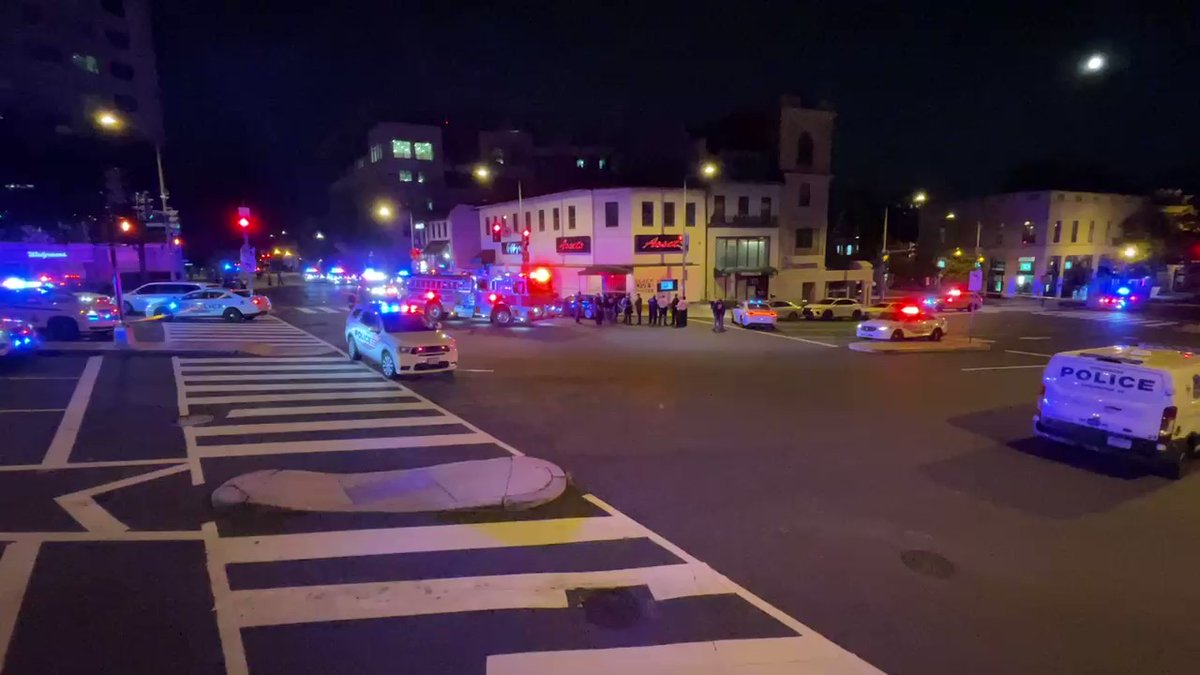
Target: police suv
pixel 400 338
pixel 1140 402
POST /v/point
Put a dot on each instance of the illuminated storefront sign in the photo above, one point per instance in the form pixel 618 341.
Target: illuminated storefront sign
pixel 573 244
pixel 658 243
pixel 43 255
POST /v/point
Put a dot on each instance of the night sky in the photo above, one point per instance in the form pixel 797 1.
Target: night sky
pixel 268 104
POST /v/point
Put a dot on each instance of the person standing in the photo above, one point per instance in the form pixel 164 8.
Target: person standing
pixel 681 313
pixel 675 311
pixel 654 310
pixel 628 310
pixel 637 305
pixel 718 310
pixel 578 305
pixel 598 310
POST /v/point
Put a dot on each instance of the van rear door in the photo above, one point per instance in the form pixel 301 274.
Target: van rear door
pixel 1113 394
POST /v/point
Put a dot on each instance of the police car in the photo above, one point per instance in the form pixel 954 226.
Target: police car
pixel 400 338
pixel 16 337
pixel 228 304
pixel 1139 402
pixel 909 321
pixel 57 313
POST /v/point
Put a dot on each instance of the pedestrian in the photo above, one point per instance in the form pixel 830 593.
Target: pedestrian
pixel 578 305
pixel 610 304
pixel 681 312
pixel 674 311
pixel 654 310
pixel 598 310
pixel 718 310
pixel 628 310
pixel 637 305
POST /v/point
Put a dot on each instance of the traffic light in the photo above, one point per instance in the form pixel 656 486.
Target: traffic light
pixel 243 219
pixel 496 230
pixel 525 236
pixel 125 225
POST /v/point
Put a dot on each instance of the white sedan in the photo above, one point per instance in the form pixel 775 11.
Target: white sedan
pixel 786 310
pixel 834 308
pixel 58 314
pixel 750 313
pixel 909 322
pixel 212 302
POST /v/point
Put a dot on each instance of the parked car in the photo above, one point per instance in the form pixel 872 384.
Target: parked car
pixel 956 299
pixel 140 298
pixel 834 308
pixel 751 313
pixel 786 310
pixel 213 302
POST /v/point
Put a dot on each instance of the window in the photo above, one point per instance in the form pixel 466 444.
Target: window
pixel 611 215
pixel 668 214
pixel 86 63
pixel 689 214
pixel 127 104
pixel 376 153
pixel 804 150
pixel 743 206
pixel 1074 231
pixel 603 163
pixel 647 214
pixel 1057 235
pixel 405 176
pixel 117 38
pixel 541 220
pixel 420 176
pixel 742 252
pixel 529 220
pixel 1028 234
pixel 423 151
pixel 428 204
pixel 764 208
pixel 580 163
pixel 401 149
pixel 570 217
pixel 1091 231
pixel 121 71
pixel 718 207
pixel 44 53
pixel 557 221
pixel 114 7
pixel 805 194
pixel 804 237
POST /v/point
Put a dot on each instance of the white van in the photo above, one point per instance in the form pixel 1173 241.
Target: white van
pixel 1139 402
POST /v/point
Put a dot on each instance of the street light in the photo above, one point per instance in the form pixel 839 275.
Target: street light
pixel 1130 252
pixel 108 120
pixel 708 170
pixel 482 172
pixel 920 198
pixel 950 216
pixel 483 175
pixel 320 236
pixel 125 225
pixel 384 211
pixel 1093 64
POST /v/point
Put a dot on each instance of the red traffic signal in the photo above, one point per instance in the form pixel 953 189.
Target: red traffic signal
pixel 125 225
pixel 243 220
pixel 496 231
pixel 525 234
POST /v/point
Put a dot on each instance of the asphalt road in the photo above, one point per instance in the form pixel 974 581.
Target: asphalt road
pixel 895 504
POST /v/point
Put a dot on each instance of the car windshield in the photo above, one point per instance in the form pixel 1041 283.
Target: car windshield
pixel 757 304
pixel 404 323
pixel 827 301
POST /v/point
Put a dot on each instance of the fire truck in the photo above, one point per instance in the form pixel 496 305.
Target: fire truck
pixel 504 298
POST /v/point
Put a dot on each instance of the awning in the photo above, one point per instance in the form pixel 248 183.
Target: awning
pixel 436 248
pixel 745 271
pixel 607 269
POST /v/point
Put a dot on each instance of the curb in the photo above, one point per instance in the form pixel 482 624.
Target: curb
pixel 170 349
pixel 941 347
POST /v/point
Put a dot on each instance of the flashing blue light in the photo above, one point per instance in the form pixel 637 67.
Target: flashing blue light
pixel 1124 290
pixel 402 273
pixel 227 267
pixel 173 305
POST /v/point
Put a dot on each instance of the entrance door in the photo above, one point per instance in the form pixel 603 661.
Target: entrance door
pixel 749 288
pixel 809 291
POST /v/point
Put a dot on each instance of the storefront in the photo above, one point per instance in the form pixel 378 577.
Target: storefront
pixel 87 264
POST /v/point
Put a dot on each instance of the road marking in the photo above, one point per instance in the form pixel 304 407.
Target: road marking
pixel 754 656
pixel 16 568
pixel 31 410
pixel 332 310
pixel 277 368
pixel 698 324
pixel 1160 324
pixel 325 409
pixel 227 628
pixel 68 427
pixel 1015 351
pixel 325 425
pixel 423 539
pixel 475 370
pixel 972 370
pixel 545 590
pixel 263 398
pixel 267 359
pixel 55 377
pixel 92 465
pixel 1034 338
pixel 338 445
pixel 290 387
pixel 356 374
pixel 83 508
pixel 306 310
pixel 132 535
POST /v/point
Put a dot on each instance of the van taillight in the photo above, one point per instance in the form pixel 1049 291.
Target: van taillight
pixel 1168 421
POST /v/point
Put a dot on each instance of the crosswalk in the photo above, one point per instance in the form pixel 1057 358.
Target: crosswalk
pixel 1121 318
pixel 319 309
pixel 264 330
pixel 574 586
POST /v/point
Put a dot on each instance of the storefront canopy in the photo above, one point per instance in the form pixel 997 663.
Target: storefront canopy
pixel 745 271
pixel 606 269
pixel 436 247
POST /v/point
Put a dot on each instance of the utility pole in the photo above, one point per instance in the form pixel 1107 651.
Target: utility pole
pixel 883 258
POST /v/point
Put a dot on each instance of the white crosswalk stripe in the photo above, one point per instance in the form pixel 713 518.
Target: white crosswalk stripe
pixel 266 330
pixel 295 408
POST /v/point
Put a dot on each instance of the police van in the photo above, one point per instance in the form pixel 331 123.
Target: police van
pixel 1139 402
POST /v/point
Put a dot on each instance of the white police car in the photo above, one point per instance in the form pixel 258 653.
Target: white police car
pixel 144 297
pixel 400 338
pixel 909 321
pixel 17 337
pixel 212 302
pixel 57 313
pixel 1140 402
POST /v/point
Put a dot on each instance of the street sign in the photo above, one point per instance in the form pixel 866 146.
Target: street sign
pixel 975 280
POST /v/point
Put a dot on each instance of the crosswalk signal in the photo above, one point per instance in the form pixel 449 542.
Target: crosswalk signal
pixel 496 231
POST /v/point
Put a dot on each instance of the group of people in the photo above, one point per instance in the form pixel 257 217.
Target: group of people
pixel 614 308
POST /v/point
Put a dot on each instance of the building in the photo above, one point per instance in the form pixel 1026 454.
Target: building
pixel 1047 242
pixel 450 242
pixel 89 264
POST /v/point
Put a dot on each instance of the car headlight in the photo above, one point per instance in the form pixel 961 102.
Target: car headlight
pixel 404 350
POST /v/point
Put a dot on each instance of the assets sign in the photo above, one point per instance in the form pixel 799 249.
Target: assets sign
pixel 658 243
pixel 573 244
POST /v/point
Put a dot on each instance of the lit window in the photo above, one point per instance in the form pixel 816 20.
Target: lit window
pixel 423 151
pixel 603 163
pixel 420 176
pixel 376 153
pixel 401 149
pixel 405 176
pixel 580 163
pixel 87 63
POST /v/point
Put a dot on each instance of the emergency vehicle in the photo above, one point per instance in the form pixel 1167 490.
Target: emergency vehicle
pixel 400 338
pixel 1119 291
pixel 504 298
pixel 1138 402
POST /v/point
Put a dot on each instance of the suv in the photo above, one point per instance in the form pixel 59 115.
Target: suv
pixel 143 297
pixel 833 308
pixel 400 338
pixel 57 313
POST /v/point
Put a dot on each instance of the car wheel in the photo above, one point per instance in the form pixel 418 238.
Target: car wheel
pixel 827 315
pixel 808 316
pixel 435 311
pixel 897 335
pixel 1175 467
pixel 936 335
pixel 232 314
pixel 856 314
pixel 163 313
pixel 792 316
pixel 388 365
pixel 502 316
pixel 352 350
pixel 62 328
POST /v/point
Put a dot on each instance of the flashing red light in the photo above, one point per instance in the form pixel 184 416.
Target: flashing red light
pixel 525 233
pixel 540 275
pixel 491 297
pixel 955 292
pixel 911 310
pixel 495 227
pixel 243 222
pixel 429 295
pixel 125 225
pixel 1131 298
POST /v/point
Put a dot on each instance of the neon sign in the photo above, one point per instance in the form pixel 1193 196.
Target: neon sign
pixel 42 255
pixel 657 243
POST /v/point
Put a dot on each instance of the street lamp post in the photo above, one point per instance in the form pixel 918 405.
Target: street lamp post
pixel 918 198
pixel 708 170
pixel 483 174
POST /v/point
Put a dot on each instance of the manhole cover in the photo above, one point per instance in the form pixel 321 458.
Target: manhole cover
pixel 194 420
pixel 610 607
pixel 928 563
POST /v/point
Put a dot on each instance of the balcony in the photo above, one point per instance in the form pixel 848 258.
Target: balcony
pixel 759 220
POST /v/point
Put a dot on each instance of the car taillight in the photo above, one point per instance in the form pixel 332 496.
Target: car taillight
pixel 1167 425
pixel 491 297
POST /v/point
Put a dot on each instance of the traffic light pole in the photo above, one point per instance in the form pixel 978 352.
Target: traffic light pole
pixel 245 250
pixel 119 335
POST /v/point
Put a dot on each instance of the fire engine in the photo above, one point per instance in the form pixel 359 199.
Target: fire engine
pixel 504 298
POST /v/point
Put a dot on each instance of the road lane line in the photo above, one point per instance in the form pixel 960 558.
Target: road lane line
pixel 180 395
pixel 424 539
pixel 1016 351
pixel 543 590
pixel 475 370
pixel 82 506
pixel 339 444
pixel 31 410
pixel 325 425
pixel 16 568
pixel 358 374
pixel 973 370
pixel 332 310
pixel 306 310
pixel 1034 338
pixel 55 377
pixel 227 628
pixel 324 409
pixel 266 359
pixel 278 368
pixel 263 398
pixel 60 448
pixel 92 465
pixel 1160 324
pixel 289 387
